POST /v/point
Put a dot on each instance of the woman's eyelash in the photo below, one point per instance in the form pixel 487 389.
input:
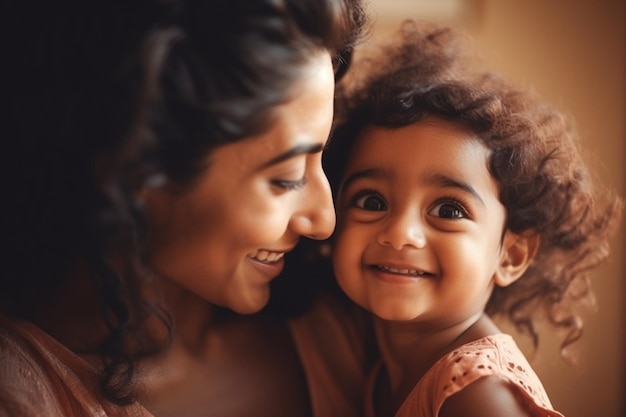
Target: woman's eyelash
pixel 289 185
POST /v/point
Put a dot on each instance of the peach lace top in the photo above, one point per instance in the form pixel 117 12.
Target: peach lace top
pixel 496 355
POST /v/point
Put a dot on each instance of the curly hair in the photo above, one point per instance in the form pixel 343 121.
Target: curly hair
pixel 426 71
pixel 112 96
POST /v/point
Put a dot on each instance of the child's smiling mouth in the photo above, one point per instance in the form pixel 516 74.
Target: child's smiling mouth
pixel 402 271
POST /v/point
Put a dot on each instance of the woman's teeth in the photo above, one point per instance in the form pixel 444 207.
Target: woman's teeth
pixel 267 257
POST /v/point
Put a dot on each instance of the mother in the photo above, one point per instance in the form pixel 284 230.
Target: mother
pixel 163 159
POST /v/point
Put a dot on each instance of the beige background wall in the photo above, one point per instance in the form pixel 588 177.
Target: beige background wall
pixel 574 54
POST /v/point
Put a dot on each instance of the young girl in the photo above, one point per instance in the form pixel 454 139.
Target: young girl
pixel 459 197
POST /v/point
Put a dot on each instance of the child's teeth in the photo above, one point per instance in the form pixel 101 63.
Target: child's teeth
pixel 400 271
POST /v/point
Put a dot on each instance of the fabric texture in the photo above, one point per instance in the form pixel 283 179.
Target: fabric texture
pixel 496 355
pixel 332 341
pixel 41 377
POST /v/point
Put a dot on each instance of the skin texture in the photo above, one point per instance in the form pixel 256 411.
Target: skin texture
pixel 224 237
pixel 249 356
pixel 420 243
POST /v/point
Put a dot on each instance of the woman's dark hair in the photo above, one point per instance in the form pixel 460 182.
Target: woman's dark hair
pixel 111 96
pixel 544 185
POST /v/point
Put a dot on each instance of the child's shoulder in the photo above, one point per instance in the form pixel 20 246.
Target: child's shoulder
pixel 493 355
pixel 486 375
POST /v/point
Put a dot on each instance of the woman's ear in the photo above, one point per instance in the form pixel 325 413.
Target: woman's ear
pixel 518 251
pixel 157 197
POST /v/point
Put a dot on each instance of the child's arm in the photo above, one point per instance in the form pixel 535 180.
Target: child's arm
pixel 487 397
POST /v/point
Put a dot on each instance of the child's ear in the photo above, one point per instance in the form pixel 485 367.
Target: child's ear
pixel 518 251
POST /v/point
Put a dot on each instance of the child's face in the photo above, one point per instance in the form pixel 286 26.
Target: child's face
pixel 419 224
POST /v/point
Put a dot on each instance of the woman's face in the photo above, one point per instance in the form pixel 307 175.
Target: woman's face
pixel 224 238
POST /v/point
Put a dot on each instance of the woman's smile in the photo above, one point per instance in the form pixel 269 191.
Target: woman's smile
pixel 225 237
pixel 267 256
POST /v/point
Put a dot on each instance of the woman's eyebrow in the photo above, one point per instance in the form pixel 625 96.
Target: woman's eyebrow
pixel 296 150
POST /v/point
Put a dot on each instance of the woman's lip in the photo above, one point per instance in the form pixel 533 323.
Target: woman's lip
pixel 269 269
pixel 264 254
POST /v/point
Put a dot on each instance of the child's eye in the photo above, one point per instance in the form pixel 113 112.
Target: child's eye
pixel 289 185
pixel 449 209
pixel 369 200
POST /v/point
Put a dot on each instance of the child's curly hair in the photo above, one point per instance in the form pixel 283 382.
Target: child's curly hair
pixel 544 183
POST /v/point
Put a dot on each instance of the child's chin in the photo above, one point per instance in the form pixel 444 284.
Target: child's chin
pixel 394 315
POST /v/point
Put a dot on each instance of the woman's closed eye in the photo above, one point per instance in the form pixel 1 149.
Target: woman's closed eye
pixel 289 185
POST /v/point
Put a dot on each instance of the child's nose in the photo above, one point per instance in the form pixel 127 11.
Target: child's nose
pixel 405 229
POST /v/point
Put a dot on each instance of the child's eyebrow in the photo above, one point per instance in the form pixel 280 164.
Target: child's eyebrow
pixel 365 173
pixel 446 181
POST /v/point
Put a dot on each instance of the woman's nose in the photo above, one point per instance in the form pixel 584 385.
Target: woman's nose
pixel 316 217
pixel 403 230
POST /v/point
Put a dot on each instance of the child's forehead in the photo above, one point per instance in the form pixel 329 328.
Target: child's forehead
pixel 421 149
pixel 426 133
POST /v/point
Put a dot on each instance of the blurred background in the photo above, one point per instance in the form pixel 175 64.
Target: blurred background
pixel 573 52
